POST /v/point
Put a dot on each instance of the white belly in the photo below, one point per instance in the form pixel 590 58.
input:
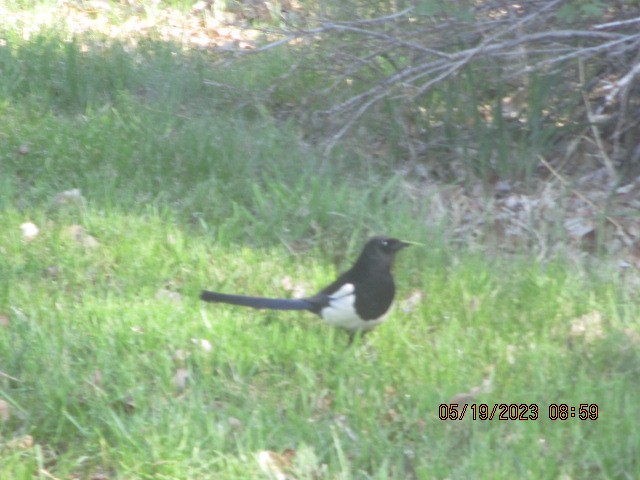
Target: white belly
pixel 341 311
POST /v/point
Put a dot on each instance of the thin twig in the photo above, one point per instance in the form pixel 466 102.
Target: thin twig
pixel 388 38
pixel 623 83
pixel 378 20
pixel 594 129
pixel 48 474
pixel 619 23
pixel 349 123
pixel 565 183
pixel 6 375
pixel 459 59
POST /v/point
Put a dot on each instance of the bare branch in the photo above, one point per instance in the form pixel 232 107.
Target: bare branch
pixel 617 24
pixel 403 56
pixel 380 20
pixel 391 39
pixel 623 83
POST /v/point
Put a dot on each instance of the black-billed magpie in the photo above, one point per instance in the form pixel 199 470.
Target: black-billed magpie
pixel 357 301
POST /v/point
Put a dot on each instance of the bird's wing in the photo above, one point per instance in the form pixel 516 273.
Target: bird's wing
pixel 339 308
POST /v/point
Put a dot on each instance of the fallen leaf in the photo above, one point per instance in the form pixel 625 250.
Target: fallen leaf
pixel 632 336
pixel 100 475
pixel 324 401
pixel 26 442
pixel 180 379
pixel 4 320
pixel 412 301
pixel 235 423
pixel 392 415
pixel 579 227
pixel 51 271
pixel 29 231
pixel 5 411
pixel 203 343
pixel 180 355
pixel 97 378
pixel 22 443
pixel 297 290
pixel 503 187
pixel 588 327
pixel 305 463
pixel 164 294
pixel 94 383
pixel 511 354
pixel 467 397
pixel 274 464
pixel 126 404
pixel 474 304
pixel 23 149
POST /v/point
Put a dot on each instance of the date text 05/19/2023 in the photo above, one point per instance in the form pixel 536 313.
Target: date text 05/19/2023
pixel 517 411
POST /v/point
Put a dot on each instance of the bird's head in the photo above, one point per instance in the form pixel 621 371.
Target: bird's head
pixel 382 250
pixel 387 245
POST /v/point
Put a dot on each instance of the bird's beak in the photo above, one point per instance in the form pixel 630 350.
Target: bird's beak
pixel 402 244
pixel 407 243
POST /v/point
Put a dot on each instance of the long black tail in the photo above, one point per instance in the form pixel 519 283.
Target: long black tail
pixel 257 302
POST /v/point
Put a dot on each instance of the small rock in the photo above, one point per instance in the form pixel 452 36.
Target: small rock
pixel 203 343
pixel 29 230
pixel 68 196
pixel 81 237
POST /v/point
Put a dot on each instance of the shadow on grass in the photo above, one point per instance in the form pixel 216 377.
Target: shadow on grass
pixel 154 125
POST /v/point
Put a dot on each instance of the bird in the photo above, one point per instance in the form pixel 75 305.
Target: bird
pixel 357 301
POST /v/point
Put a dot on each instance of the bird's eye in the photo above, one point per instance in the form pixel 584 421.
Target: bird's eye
pixel 384 243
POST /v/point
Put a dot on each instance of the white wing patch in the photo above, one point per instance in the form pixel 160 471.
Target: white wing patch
pixel 341 311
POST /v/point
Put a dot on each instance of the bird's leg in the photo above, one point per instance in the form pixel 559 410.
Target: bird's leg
pixel 357 333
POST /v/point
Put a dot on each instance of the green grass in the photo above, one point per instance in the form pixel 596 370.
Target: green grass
pixel 182 192
pixel 95 352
